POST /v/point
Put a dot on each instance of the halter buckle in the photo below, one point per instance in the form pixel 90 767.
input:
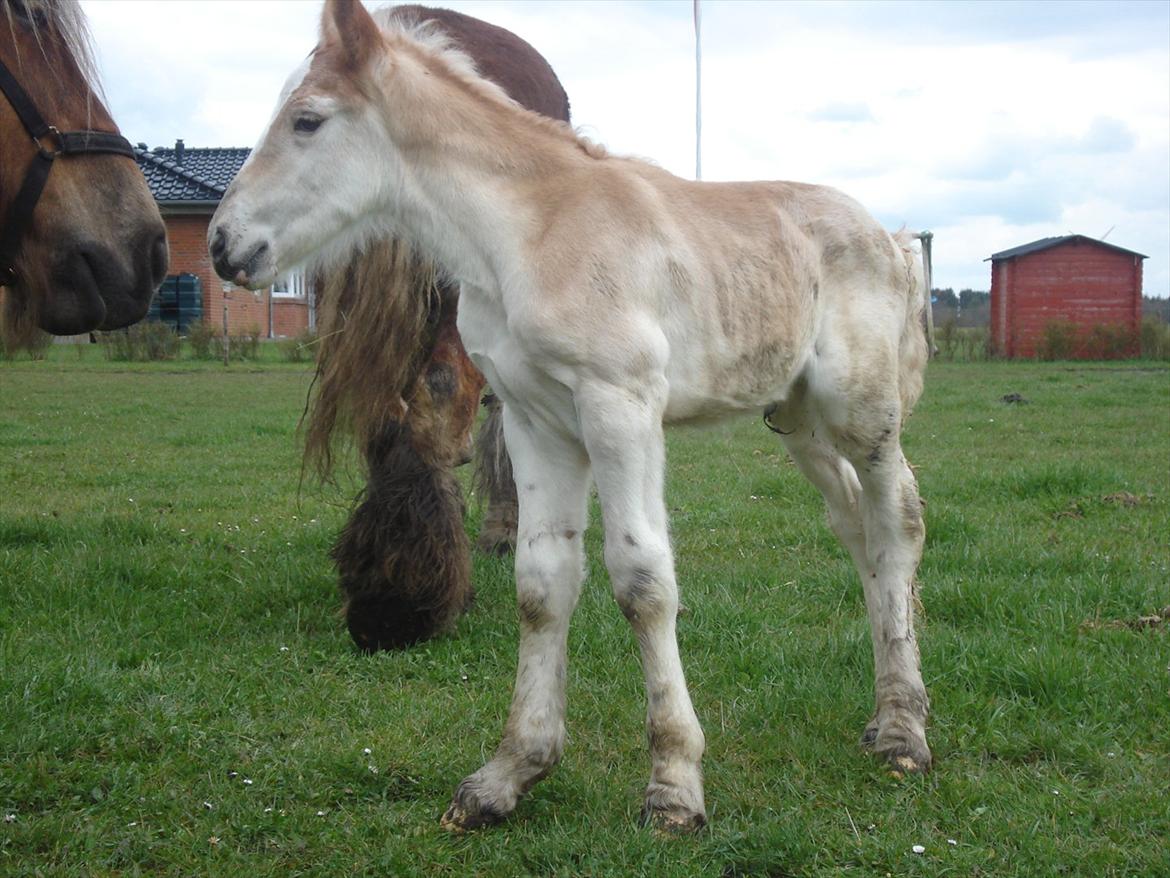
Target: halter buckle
pixel 47 153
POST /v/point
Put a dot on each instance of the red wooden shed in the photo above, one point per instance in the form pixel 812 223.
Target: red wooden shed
pixel 1069 296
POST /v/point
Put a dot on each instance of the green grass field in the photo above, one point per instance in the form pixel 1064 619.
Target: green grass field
pixel 178 695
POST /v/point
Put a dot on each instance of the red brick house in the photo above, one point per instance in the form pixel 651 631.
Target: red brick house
pixel 1085 289
pixel 188 185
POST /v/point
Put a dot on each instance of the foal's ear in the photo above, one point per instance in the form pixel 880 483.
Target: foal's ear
pixel 347 24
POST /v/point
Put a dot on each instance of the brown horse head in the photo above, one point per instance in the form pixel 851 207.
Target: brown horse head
pixel 92 249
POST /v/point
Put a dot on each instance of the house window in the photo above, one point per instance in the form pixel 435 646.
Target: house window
pixel 292 286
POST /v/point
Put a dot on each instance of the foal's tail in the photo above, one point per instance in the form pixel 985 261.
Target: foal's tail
pixel 913 348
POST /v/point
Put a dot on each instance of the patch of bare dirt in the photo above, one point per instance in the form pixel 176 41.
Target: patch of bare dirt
pixel 1158 619
pixel 1123 498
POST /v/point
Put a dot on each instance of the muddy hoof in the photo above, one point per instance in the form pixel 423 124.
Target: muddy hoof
pixel 903 756
pixel 468 812
pixel 673 822
pixel 457 820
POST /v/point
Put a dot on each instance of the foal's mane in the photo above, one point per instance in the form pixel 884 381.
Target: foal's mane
pixel 430 42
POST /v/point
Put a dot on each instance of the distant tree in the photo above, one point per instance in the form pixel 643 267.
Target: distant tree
pixel 944 298
pixel 1157 308
pixel 973 299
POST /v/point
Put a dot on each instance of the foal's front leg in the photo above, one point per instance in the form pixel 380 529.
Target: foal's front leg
pixel 552 478
pixel 623 433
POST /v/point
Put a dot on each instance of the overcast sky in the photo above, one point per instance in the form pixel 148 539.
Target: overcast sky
pixel 991 123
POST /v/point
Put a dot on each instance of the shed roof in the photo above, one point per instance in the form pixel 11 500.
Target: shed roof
pixel 1048 243
pixel 187 175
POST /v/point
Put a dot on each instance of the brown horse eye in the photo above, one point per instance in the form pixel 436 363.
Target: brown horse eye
pixel 306 125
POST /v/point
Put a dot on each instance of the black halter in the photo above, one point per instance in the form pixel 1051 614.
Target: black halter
pixel 67 143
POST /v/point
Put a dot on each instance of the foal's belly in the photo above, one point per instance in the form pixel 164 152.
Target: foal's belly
pixel 710 379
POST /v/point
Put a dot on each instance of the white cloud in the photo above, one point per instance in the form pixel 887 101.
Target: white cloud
pixel 992 123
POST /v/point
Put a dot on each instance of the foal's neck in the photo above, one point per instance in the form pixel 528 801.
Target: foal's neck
pixel 470 172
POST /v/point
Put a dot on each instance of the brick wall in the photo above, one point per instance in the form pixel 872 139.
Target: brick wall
pixel 247 310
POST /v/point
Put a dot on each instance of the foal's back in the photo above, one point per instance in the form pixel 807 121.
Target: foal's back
pixel 730 285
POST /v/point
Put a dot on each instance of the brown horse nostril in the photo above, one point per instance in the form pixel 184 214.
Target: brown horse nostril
pixel 159 260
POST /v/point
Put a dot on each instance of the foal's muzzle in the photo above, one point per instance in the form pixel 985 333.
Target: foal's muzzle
pixel 240 270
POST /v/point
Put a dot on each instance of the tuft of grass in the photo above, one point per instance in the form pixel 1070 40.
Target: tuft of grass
pixel 169 628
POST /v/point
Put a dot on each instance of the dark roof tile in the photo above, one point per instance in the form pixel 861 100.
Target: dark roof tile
pixel 1047 243
pixel 201 175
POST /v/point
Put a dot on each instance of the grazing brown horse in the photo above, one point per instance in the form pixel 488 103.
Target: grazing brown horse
pixel 391 371
pixel 82 245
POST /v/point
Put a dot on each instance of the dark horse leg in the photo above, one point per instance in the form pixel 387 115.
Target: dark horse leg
pixel 403 557
pixel 493 479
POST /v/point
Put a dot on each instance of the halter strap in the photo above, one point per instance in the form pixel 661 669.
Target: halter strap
pixel 66 143
pixel 22 103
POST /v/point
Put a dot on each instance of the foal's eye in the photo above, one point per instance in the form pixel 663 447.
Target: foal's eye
pixel 307 124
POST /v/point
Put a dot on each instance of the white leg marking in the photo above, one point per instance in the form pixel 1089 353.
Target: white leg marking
pixel 625 442
pixel 552 482
pixel 875 512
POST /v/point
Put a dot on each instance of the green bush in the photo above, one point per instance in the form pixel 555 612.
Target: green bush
pixel 35 346
pixel 1155 339
pixel 300 348
pixel 200 336
pixel 141 342
pixel 246 345
pixel 1110 341
pixel 963 344
pixel 1059 341
pixel 242 346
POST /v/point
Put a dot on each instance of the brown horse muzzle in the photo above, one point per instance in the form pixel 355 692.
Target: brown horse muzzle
pixel 91 286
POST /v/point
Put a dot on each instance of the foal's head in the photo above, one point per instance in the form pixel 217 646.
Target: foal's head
pixel 93 248
pixel 314 184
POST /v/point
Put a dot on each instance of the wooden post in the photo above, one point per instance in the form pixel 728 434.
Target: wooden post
pixel 926 237
pixel 227 288
pixel 698 15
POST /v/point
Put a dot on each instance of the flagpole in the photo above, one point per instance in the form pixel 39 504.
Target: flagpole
pixel 698 93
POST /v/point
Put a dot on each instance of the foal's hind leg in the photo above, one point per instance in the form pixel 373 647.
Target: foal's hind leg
pixel 553 476
pixel 894 534
pixel 874 510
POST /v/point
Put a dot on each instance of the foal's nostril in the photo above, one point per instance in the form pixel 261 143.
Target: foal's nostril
pixel 218 244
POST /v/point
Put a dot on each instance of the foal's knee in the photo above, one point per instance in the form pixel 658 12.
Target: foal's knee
pixel 643 582
pixel 550 568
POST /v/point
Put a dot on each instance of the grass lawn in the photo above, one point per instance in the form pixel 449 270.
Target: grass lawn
pixel 178 694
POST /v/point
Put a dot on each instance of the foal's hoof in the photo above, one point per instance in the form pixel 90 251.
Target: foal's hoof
pixel 901 765
pixel 903 757
pixel 674 822
pixel 905 752
pixel 467 812
pixel 672 810
pixel 458 820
